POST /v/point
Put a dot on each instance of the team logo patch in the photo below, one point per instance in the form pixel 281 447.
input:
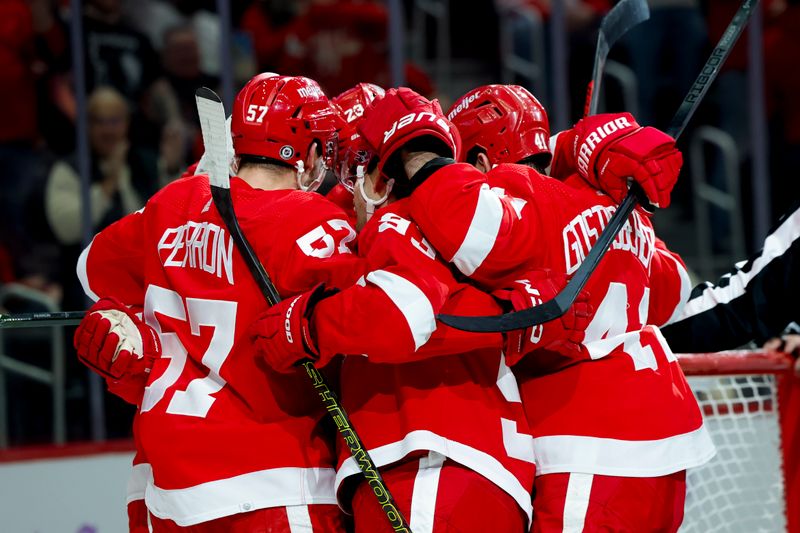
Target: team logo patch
pixel 286 152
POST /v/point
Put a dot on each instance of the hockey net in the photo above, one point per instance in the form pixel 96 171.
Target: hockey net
pixel 743 488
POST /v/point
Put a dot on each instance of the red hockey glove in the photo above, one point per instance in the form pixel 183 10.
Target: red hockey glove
pixel 344 199
pixel 402 116
pixel 282 335
pixel 562 335
pixel 609 149
pixel 116 344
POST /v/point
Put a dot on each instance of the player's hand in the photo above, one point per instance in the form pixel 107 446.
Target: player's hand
pixel 562 335
pixel 403 116
pixel 283 336
pixel 115 343
pixel 609 149
pixel 789 344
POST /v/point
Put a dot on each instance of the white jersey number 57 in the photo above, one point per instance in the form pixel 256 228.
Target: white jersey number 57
pixel 196 399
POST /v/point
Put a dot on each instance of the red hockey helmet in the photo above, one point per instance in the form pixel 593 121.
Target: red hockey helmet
pixel 354 154
pixel 506 121
pixel 279 117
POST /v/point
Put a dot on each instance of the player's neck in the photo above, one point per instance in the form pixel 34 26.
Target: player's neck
pixel 269 180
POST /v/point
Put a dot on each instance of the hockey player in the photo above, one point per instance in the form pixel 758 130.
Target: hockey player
pixel 502 124
pixel 438 410
pixel 352 104
pixel 615 425
pixel 233 446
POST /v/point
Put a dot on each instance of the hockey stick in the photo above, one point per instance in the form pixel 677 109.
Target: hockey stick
pixel 616 23
pixel 212 121
pixel 558 306
pixel 44 319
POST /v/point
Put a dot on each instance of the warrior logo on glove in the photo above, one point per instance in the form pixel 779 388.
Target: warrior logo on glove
pixel 595 137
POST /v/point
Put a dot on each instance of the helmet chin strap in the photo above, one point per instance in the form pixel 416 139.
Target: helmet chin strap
pixel 314 185
pixel 370 203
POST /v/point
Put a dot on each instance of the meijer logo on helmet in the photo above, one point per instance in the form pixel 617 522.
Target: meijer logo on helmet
pixel 310 92
pixel 415 117
pixel 594 138
pixel 462 106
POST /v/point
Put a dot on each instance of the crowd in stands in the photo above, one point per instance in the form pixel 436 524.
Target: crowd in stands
pixel 145 58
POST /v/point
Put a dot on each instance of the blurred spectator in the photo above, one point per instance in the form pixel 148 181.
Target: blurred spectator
pixel 32 43
pixel 175 150
pixel 122 177
pixel 180 59
pixel 117 55
pixel 121 57
pixel 666 53
pixel 269 22
pixel 153 18
pixel 31 39
pixel 338 43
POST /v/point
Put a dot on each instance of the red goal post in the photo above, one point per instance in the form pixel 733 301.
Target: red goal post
pixel 750 402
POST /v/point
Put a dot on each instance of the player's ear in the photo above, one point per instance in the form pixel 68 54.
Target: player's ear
pixel 314 155
pixel 483 163
pixel 311 171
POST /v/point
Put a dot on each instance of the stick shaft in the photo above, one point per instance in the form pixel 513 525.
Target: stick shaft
pixel 710 70
pixel 40 320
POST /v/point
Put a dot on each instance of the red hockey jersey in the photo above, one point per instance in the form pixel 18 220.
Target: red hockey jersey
pixel 223 433
pixel 418 388
pixel 627 410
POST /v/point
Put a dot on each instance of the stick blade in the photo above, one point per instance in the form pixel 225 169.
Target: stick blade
pixel 624 16
pixel 525 318
pixel 211 112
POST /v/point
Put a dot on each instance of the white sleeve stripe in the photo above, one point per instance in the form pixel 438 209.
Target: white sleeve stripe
pixel 410 300
pixel 576 502
pixel 299 519
pixel 83 275
pixel 423 496
pixel 774 246
pixel 482 232
pixel 686 286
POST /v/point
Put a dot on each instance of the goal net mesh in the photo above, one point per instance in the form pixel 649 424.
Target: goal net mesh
pixel 741 488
